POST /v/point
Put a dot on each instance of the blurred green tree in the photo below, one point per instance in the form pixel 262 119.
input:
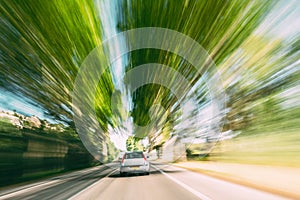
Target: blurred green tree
pixel 221 27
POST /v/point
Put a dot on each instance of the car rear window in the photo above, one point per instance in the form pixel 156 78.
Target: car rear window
pixel 134 155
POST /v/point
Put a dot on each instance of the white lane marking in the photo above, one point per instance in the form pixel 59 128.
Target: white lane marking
pixel 89 187
pixel 44 184
pixel 185 186
pixel 28 189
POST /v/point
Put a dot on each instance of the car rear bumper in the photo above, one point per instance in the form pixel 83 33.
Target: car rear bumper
pixel 135 169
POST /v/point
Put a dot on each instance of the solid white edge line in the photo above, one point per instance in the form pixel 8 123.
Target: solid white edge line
pixel 89 187
pixel 185 186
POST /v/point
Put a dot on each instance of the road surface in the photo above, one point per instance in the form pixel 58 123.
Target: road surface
pixel 165 182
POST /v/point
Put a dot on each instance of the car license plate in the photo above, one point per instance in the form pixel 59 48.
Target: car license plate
pixel 134 168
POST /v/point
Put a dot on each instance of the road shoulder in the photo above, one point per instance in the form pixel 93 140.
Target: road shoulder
pixel 283 181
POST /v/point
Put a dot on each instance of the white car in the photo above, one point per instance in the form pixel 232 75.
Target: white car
pixel 134 162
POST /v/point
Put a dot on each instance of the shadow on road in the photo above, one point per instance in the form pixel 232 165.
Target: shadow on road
pixel 152 172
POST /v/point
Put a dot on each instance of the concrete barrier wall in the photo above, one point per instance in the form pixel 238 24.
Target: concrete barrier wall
pixel 28 154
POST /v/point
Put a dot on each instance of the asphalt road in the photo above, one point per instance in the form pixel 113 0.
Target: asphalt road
pixel 165 182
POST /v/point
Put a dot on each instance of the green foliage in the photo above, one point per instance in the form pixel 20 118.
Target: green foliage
pixel 42 46
pixel 133 144
pixel 112 151
pixel 220 27
pixel 261 76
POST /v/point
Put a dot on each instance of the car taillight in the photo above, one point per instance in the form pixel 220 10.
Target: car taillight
pixel 123 159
